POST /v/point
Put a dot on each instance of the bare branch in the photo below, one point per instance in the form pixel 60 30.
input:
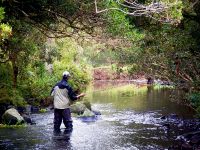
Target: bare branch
pixel 136 9
pixel 193 4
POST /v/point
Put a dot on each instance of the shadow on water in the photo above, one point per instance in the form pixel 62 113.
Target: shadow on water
pixel 61 140
pixel 132 118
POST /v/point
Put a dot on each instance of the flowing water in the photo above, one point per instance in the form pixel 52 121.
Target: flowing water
pixel 130 119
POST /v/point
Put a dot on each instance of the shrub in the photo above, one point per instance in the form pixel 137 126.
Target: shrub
pixel 194 99
pixel 11 97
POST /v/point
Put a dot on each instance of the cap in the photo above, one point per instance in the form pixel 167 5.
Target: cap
pixel 66 73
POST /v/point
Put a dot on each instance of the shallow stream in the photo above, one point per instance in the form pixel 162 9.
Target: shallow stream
pixel 131 119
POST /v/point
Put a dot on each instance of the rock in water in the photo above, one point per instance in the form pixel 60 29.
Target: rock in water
pixel 78 108
pixel 87 104
pixel 12 117
pixel 88 113
pixel 88 116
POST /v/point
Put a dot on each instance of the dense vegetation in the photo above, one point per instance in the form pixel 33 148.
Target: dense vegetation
pixel 69 35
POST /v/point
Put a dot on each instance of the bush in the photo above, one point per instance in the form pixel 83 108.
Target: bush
pixel 194 99
pixel 11 97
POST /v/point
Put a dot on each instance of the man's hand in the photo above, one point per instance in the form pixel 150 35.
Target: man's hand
pixel 81 95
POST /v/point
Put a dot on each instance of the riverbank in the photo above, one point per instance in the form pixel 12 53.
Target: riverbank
pixel 107 73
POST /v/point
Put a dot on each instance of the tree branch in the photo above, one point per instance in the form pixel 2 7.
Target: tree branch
pixel 136 9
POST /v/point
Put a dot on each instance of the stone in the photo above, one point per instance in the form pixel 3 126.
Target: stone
pixel 2 111
pixel 12 117
pixel 88 116
pixel 28 109
pixel 87 113
pixel 35 109
pixel 186 146
pixel 78 108
pixel 21 109
pixel 28 120
pixel 87 104
pixel 195 139
pixel 163 117
pixel 96 112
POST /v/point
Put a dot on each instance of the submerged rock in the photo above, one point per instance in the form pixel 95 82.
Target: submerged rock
pixel 189 140
pixel 12 117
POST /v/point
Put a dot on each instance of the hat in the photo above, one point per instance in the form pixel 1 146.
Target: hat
pixel 66 73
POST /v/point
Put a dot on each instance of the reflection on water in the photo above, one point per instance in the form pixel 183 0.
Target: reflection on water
pixel 128 121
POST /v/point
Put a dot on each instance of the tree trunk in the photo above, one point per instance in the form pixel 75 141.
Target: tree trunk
pixel 15 72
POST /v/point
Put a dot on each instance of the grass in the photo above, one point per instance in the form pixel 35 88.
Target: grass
pixel 12 126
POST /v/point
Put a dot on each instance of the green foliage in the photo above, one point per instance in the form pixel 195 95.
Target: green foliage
pixel 119 25
pixel 37 82
pixel 132 68
pixel 39 87
pixel 7 94
pixel 194 98
pixel 5 29
pixel 43 110
pixel 2 12
pixel 125 91
pixel 13 126
pixel 10 97
pixel 52 17
pixel 72 60
pixel 79 76
pixel 5 75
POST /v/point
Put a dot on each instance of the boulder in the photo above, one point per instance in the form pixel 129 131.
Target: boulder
pixel 87 104
pixel 83 110
pixel 96 112
pixel 2 111
pixel 28 120
pixel 21 109
pixel 35 109
pixel 88 116
pixel 12 117
pixel 78 108
pixel 87 113
pixel 186 146
pixel 28 109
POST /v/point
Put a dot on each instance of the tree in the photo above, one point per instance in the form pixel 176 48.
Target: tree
pixel 5 29
pixel 162 11
pixel 54 18
pixel 17 48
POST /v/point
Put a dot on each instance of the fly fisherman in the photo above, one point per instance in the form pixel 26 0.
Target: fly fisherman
pixel 62 94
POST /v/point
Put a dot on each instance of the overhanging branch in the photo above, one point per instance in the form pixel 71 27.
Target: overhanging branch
pixel 133 8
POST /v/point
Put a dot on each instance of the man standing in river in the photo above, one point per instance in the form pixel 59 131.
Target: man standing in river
pixel 62 94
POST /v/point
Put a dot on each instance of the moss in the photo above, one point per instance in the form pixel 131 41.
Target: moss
pixel 13 126
pixel 43 110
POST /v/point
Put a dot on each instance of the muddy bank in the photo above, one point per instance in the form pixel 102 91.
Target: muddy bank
pixel 109 74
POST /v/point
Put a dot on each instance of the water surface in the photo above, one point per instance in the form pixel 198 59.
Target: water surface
pixel 131 119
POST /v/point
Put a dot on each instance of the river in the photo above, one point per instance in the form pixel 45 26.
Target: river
pixel 143 119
